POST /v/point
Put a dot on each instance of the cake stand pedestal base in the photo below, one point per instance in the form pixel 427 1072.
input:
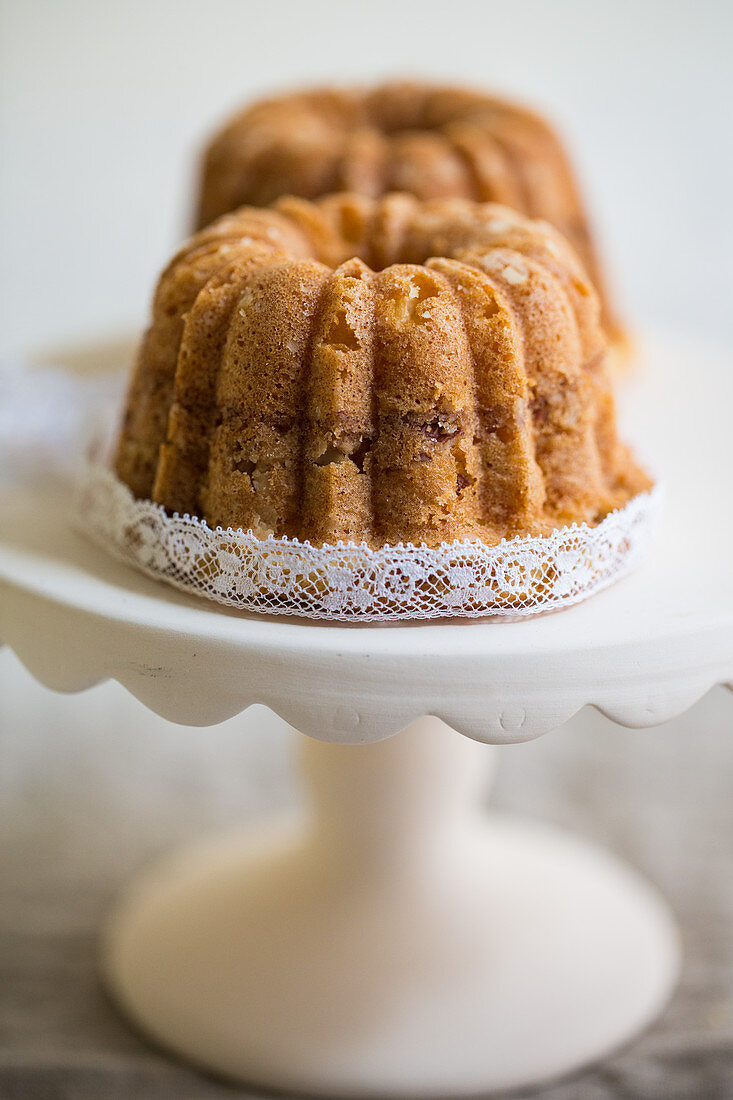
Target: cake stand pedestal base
pixel 397 942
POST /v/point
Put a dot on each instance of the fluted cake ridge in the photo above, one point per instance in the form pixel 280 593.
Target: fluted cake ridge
pixel 426 139
pixel 382 370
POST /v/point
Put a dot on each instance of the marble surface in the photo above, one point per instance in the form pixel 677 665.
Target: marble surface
pixel 93 786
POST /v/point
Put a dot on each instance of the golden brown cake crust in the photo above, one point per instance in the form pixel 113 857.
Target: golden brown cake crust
pixel 377 370
pixel 429 140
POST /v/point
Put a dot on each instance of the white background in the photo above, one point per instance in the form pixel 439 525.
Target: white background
pixel 104 106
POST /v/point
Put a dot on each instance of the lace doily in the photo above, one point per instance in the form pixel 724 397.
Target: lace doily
pixel 47 415
pixel 354 583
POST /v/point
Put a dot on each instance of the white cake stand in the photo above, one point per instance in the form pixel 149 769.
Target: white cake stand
pixel 397 941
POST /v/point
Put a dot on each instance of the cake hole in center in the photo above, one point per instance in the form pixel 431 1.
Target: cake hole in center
pixel 440 430
pixel 341 334
pixel 330 456
pixel 244 466
pixel 334 454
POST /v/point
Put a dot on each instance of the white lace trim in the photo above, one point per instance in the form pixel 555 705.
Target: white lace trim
pixel 354 583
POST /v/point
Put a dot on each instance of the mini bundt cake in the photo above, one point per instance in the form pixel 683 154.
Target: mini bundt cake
pixel 376 370
pixel 430 141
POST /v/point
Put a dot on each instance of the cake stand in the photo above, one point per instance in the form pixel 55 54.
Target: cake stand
pixel 396 940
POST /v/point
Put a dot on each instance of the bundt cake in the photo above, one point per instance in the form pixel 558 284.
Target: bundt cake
pixel 376 370
pixel 430 141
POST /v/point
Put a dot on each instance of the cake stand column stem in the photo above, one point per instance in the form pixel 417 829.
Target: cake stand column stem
pixel 397 943
pixel 397 809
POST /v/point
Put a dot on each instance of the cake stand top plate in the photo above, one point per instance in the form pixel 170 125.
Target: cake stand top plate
pixel 642 651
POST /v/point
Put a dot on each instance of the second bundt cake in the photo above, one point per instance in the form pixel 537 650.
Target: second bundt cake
pixel 429 140
pixel 376 370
